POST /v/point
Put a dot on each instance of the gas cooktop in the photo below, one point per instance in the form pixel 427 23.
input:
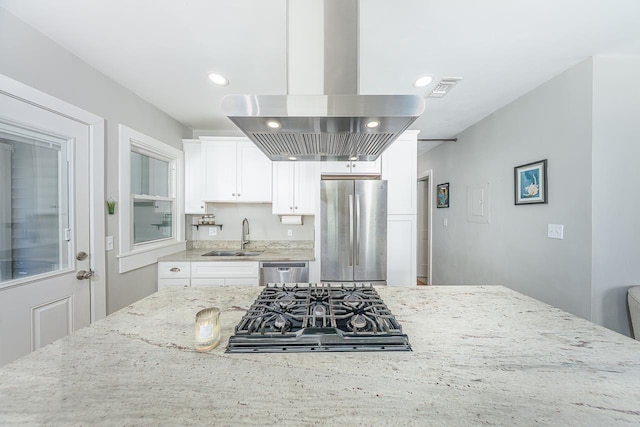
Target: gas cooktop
pixel 318 317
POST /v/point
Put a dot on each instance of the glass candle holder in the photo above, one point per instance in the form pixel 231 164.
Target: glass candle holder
pixel 207 329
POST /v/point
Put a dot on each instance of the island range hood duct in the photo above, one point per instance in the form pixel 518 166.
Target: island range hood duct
pixel 323 117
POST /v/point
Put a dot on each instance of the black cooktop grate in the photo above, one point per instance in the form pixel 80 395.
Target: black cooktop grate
pixel 318 317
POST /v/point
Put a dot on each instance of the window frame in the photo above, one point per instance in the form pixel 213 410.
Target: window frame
pixel 133 256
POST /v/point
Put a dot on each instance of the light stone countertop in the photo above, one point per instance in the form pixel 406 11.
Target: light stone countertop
pixel 482 355
pixel 270 251
pixel 269 254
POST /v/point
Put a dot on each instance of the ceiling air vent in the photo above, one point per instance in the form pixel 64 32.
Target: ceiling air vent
pixel 445 85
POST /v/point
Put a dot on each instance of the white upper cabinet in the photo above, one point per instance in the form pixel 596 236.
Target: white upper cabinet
pixel 399 168
pixel 253 183
pixel 235 171
pixel 193 177
pixel 351 168
pixel 220 158
pixel 295 188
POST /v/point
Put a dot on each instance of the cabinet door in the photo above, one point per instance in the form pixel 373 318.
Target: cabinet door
pixel 193 178
pixel 254 174
pixel 283 188
pixel 401 250
pixel 366 168
pixel 307 188
pixel 335 168
pixel 399 168
pixel 220 160
pixel 357 168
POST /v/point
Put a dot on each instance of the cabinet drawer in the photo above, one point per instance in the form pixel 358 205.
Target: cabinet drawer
pixel 165 283
pixel 244 282
pixel 174 270
pixel 207 282
pixel 224 270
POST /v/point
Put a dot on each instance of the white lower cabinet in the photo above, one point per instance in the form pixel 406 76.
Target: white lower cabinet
pixel 215 273
pixel 401 250
pixel 224 273
pixel 174 274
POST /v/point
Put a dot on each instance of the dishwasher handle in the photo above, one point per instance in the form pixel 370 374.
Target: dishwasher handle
pixel 280 265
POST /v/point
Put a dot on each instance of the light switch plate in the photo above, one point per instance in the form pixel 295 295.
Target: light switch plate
pixel 555 231
pixel 109 243
pixel 445 222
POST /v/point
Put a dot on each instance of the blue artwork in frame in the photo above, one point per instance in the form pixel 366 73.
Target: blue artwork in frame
pixel 530 183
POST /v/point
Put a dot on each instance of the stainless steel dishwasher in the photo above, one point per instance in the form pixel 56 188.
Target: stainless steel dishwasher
pixel 284 272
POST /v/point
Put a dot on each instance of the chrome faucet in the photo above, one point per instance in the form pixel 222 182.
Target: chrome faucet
pixel 245 233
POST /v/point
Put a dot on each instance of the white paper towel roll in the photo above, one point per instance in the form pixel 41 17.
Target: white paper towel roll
pixel 291 219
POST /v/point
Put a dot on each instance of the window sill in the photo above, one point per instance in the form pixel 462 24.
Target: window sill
pixel 142 257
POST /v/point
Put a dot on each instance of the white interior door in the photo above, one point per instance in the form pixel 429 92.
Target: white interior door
pixel 45 224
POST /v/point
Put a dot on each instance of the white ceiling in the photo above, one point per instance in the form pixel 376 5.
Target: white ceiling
pixel 162 50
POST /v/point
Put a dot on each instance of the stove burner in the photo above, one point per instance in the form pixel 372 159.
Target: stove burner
pixel 359 321
pixel 319 310
pixel 318 317
pixel 285 300
pixel 352 300
pixel 280 321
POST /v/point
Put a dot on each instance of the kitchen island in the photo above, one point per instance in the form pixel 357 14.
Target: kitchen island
pixel 481 355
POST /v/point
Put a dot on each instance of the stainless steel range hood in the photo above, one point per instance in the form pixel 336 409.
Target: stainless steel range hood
pixel 323 117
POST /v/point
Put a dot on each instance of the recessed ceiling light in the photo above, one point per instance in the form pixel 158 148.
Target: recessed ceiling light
pixel 218 79
pixel 274 124
pixel 423 81
pixel 373 124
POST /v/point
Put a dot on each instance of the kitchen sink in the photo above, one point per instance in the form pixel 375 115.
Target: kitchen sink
pixel 232 253
pixel 248 253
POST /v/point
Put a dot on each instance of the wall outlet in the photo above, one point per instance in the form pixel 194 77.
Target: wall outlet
pixel 289 233
pixel 555 231
pixel 213 231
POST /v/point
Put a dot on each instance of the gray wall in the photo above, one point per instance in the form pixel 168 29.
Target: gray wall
pixel 551 122
pixel 33 59
pixel 616 201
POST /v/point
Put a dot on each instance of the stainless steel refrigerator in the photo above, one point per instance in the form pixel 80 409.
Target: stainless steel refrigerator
pixel 354 231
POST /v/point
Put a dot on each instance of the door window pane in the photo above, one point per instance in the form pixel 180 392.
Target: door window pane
pixel 34 207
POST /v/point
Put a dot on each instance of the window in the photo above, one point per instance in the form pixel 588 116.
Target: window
pixel 34 203
pixel 151 200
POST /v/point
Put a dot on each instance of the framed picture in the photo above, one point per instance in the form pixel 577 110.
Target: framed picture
pixel 530 183
pixel 443 195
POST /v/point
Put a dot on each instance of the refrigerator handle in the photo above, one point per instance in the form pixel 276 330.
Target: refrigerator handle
pixel 350 230
pixel 357 229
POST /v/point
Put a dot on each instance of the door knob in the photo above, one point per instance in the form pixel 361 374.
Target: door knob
pixel 84 274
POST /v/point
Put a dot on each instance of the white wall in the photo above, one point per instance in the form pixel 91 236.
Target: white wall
pixel 616 200
pixel 33 59
pixel 263 225
pixel 551 122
